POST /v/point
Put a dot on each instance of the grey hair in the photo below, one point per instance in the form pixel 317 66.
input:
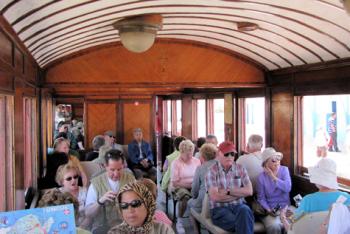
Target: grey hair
pixel 186 146
pixel 255 142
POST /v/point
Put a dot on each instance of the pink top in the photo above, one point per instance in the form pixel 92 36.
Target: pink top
pixel 161 217
pixel 184 172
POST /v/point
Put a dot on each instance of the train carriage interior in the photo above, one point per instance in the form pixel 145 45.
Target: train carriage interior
pixel 102 70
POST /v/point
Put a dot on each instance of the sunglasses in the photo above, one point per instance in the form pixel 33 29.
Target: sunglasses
pixel 71 178
pixel 275 160
pixel 133 204
pixel 232 154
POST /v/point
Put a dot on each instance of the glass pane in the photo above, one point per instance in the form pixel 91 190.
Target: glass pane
pixel 219 130
pixel 169 116
pixel 326 131
pixel 255 117
pixel 179 117
pixel 201 120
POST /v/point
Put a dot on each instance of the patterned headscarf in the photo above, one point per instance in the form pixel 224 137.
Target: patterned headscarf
pixel 146 196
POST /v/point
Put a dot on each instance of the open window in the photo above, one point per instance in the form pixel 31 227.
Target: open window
pixel 252 118
pixel 172 117
pixel 323 130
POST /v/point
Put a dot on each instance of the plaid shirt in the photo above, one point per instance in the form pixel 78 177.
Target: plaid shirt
pixel 217 177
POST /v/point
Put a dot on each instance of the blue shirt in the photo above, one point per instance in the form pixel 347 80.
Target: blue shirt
pixel 319 201
pixel 134 152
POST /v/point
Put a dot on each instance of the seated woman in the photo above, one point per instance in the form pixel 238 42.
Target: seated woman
pixel 182 173
pixel 54 197
pixel 159 216
pixel 324 176
pixel 67 177
pixel 207 154
pixel 273 187
pixel 62 145
pixel 137 207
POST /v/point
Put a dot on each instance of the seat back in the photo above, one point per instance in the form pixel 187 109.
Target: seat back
pixel 205 207
pixel 91 168
pixel 309 223
pixel 125 152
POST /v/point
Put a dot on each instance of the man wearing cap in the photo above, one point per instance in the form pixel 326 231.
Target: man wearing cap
pixel 141 157
pixel 253 161
pixel 110 140
pixel 227 184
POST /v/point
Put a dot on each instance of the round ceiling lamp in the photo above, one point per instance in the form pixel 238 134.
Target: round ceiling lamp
pixel 137 33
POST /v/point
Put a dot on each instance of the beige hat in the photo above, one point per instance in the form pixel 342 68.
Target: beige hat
pixel 324 173
pixel 270 152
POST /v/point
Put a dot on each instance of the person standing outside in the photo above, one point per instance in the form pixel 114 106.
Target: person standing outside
pixel 332 131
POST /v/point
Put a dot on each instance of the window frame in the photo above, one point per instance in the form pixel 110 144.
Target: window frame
pixel 299 169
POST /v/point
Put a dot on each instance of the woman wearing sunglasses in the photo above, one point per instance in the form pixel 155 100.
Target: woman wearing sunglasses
pixel 67 177
pixel 137 207
pixel 273 187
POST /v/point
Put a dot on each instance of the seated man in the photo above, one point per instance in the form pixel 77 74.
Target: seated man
pixel 97 142
pixel 141 157
pixel 104 188
pixel 227 183
pixel 110 139
pixel 252 161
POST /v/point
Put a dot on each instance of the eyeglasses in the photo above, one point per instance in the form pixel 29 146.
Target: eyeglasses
pixel 232 154
pixel 275 160
pixel 133 204
pixel 70 178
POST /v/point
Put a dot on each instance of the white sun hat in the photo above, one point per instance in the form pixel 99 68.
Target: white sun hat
pixel 324 173
pixel 270 152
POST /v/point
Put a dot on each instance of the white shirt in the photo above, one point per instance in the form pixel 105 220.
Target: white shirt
pixel 91 196
pixel 253 163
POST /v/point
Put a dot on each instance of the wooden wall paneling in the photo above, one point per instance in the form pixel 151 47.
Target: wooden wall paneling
pixel 6 47
pixel 137 116
pixel 6 82
pixel 283 124
pixel 187 117
pixel 167 67
pixel 100 117
pixel 18 60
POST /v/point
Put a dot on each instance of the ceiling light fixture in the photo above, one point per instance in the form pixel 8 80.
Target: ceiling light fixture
pixel 137 33
pixel 346 4
pixel 246 26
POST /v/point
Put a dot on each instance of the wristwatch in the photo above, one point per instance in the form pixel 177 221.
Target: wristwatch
pixel 100 203
pixel 228 192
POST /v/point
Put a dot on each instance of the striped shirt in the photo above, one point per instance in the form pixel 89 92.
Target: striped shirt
pixel 235 177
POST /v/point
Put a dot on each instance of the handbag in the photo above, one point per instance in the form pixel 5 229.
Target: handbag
pixel 104 227
pixel 258 209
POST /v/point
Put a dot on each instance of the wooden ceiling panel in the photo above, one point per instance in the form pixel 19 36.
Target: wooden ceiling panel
pixel 290 33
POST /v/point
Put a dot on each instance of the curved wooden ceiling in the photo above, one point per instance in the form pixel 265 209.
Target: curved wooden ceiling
pixel 290 33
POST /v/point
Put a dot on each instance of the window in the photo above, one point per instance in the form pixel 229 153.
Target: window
pixel 201 118
pixel 325 128
pixel 219 130
pixel 253 118
pixel 6 153
pixel 172 117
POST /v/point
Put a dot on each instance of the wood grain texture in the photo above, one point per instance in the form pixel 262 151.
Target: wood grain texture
pixel 282 124
pixel 100 118
pixel 137 116
pixel 164 65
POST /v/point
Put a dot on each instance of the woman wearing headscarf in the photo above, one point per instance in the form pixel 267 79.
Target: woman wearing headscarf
pixel 137 207
pixel 273 187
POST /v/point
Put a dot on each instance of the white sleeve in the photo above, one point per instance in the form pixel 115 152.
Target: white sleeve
pixel 91 196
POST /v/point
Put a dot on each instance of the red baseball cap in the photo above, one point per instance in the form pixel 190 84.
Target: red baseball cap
pixel 227 147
